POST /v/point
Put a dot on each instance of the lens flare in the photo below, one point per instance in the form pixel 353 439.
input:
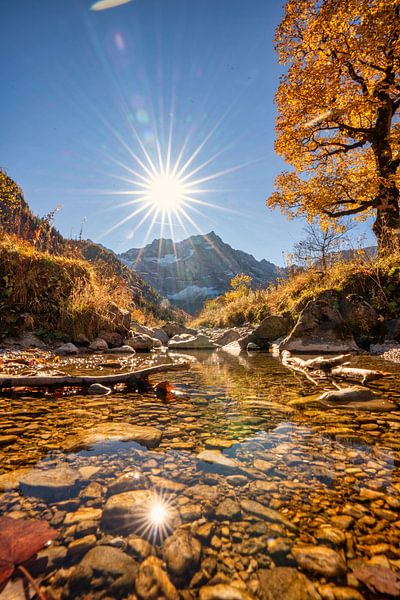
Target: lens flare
pixel 166 191
pixel 158 514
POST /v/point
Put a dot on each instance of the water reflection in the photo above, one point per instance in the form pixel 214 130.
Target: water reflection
pixel 293 468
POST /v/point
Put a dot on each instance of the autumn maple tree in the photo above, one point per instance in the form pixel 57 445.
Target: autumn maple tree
pixel 338 112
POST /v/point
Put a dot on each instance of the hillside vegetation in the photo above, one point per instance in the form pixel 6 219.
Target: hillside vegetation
pixel 62 288
pixel 377 280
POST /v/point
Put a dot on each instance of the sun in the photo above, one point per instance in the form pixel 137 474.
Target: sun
pixel 166 192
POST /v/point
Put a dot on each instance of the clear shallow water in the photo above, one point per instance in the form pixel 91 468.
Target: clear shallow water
pixel 317 467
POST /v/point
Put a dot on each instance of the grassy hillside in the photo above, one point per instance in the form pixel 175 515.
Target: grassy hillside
pixel 63 287
pixel 376 280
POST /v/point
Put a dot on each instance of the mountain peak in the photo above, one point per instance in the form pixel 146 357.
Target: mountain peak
pixel 195 269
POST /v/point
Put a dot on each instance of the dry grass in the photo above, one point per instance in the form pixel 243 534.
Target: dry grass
pixel 61 294
pixel 376 280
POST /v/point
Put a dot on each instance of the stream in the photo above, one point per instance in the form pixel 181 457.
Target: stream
pixel 255 490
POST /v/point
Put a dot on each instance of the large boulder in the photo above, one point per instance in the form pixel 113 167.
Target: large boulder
pixel 321 328
pixel 271 328
pixel 225 336
pixel 191 342
pixel 98 345
pixel 141 342
pixel 172 329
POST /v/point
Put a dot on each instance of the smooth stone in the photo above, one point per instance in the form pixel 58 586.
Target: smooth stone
pixel 122 350
pixel 122 432
pixel 286 583
pixel 228 509
pixel 133 480
pixel 223 591
pixel 348 394
pixel 98 345
pixel 259 510
pixel 193 342
pixel 319 560
pixel 84 513
pixel 153 583
pixel 217 458
pixel 99 389
pixel 67 349
pixel 182 553
pixel 55 484
pixel 105 568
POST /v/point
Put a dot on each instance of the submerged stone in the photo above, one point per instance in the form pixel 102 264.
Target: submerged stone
pixel 122 432
pixel 286 583
pixel 55 484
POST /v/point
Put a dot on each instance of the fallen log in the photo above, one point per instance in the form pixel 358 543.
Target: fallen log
pixel 326 364
pixel 355 373
pixel 131 378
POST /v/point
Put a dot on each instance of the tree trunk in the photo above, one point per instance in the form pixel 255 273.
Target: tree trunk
pixel 387 223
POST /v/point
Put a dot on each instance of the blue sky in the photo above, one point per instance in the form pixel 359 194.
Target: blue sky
pixel 85 94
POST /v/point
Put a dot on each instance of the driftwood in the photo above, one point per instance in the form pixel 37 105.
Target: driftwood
pixel 353 373
pixel 321 368
pixel 132 378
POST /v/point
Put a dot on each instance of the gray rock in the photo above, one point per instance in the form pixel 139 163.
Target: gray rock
pixel 99 389
pixel 348 394
pixel 104 571
pixel 55 484
pixel 98 345
pixel 223 591
pixel 226 336
pixel 172 329
pixel 321 328
pixel 215 457
pixel 269 330
pixel 142 342
pixel 122 350
pixel 124 432
pixel 155 333
pixel 285 583
pixel 319 560
pixel 191 342
pixel 153 583
pixel 182 554
pixel 259 510
pixel 67 349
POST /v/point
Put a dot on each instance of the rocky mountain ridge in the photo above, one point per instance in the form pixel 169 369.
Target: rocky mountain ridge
pixel 196 269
